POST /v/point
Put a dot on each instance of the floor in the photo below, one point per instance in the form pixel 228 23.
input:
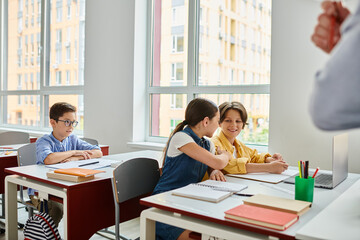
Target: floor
pixel 130 229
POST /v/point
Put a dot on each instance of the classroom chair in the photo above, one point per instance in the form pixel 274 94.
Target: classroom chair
pixel 8 138
pixel 13 137
pixel 27 156
pixel 90 140
pixel 133 178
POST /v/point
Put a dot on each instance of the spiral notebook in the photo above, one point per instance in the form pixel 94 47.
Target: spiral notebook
pixel 209 190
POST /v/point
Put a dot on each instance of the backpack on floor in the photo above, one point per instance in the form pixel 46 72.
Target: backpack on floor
pixel 41 226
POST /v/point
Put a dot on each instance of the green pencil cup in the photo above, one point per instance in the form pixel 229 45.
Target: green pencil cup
pixel 304 189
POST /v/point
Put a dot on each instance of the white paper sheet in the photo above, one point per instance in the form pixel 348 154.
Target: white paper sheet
pixel 97 163
pixel 267 177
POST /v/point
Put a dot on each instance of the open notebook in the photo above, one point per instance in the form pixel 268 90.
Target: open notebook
pixel 210 190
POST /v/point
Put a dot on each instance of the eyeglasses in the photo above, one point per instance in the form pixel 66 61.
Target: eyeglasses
pixel 68 122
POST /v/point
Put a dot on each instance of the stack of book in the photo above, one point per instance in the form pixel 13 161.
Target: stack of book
pixel 268 211
pixel 73 174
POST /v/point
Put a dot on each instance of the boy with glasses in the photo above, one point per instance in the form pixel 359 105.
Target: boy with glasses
pixel 61 146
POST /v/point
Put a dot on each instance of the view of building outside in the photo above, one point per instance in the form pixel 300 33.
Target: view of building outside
pixel 63 65
pixel 234 50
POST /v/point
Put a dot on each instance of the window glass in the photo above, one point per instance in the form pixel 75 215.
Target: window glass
pixel 67 41
pixel 257 106
pixel 166 110
pixel 170 41
pixel 23 110
pixel 26 65
pixel 75 100
pixel 220 51
pixel 236 44
pixel 23 49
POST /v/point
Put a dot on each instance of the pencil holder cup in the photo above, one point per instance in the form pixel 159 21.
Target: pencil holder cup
pixel 304 189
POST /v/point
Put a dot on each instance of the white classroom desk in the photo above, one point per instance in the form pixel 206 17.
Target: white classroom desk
pixel 13 150
pixel 121 157
pixel 72 194
pixel 340 220
pixel 208 218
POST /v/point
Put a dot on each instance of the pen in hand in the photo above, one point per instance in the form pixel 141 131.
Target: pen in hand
pixel 85 164
pixel 333 21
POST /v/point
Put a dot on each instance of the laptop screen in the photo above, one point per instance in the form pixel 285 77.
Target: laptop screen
pixel 340 158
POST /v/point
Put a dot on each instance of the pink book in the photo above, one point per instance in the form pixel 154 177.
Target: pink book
pixel 262 216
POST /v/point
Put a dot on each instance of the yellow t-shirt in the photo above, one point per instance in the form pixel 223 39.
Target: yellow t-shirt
pixel 244 154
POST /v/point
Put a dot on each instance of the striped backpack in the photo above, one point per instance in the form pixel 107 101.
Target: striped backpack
pixel 41 226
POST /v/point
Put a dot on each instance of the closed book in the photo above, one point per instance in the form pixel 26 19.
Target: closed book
pixel 67 177
pixel 82 172
pixel 277 203
pixel 262 216
pixel 201 192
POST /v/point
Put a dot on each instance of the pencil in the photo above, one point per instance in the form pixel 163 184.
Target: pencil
pixel 317 169
pixel 86 164
pixel 244 194
pixel 332 26
pixel 299 169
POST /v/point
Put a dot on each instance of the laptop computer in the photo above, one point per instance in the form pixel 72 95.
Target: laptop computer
pixel 339 165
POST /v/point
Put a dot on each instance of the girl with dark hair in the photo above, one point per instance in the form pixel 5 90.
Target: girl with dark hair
pixel 188 155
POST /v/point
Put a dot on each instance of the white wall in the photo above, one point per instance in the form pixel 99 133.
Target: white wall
pixel 294 62
pixel 109 64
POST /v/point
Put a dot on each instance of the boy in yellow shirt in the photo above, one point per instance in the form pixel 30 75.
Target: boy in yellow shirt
pixel 233 117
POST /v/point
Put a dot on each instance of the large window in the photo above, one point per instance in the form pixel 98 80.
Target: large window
pixel 42 60
pixel 218 50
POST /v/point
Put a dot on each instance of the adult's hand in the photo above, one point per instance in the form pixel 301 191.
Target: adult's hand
pixel 327 32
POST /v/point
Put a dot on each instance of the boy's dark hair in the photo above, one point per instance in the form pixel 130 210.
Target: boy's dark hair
pixel 59 109
pixel 226 106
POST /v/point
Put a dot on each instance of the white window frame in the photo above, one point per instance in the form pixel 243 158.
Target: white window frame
pixel 191 89
pixel 44 89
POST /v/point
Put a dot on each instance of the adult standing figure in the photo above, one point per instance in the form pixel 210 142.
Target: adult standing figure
pixel 335 101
